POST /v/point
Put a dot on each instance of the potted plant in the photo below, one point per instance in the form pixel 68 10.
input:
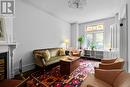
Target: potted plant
pixel 92 45
pixel 81 41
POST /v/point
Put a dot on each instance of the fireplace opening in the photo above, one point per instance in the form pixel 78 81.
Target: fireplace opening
pixel 3 66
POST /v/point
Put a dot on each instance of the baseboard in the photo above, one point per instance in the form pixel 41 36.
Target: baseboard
pixel 24 68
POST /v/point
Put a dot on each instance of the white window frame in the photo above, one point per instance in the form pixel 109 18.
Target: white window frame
pixel 94 35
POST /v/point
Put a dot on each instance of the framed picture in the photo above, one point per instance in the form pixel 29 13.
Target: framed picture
pixel 2 30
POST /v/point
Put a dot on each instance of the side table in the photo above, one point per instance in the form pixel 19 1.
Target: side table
pixel 68 65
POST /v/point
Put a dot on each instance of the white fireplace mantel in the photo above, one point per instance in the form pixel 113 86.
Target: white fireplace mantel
pixel 9 48
pixel 4 47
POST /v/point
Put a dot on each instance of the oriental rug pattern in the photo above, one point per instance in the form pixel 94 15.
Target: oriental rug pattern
pixel 53 77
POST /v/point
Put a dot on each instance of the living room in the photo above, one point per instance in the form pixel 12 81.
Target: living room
pixel 45 24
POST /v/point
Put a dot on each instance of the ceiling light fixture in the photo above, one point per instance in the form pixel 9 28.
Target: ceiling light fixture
pixel 76 3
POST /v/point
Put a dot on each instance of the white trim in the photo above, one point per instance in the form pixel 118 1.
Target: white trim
pixel 97 20
pixel 24 68
pixel 9 48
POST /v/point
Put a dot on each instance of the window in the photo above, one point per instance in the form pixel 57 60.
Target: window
pixel 95 35
pixel 99 27
pixel 99 40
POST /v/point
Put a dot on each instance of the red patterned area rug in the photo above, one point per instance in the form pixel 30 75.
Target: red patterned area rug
pixel 53 77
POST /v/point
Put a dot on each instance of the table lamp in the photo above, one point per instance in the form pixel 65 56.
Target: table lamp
pixel 66 41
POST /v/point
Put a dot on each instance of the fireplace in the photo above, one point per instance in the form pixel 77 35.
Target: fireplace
pixel 6 60
pixel 3 65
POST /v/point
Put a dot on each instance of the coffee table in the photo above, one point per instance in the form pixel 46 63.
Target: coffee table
pixel 68 64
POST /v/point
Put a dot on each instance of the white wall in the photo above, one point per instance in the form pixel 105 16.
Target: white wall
pixel 33 28
pixel 107 22
pixel 74 35
pixel 123 33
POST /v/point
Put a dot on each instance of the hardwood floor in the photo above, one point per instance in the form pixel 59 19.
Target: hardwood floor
pixel 27 73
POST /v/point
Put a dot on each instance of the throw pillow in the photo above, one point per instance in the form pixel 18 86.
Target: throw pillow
pixel 46 55
pixel 61 52
pixel 58 52
pixel 53 52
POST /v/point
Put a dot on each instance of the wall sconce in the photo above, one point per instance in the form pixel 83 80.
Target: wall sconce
pixel 109 47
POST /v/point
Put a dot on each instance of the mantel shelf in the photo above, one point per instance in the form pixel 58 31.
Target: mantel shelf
pixel 8 44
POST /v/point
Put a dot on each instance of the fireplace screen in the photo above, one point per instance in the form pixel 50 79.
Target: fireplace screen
pixel 3 66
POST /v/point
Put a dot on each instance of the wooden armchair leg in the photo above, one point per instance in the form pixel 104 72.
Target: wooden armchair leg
pixel 43 70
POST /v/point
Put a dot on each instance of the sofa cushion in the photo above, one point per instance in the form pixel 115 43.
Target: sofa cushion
pixel 52 60
pixel 94 82
pixel 46 55
pixel 123 80
pixel 53 52
pixel 61 52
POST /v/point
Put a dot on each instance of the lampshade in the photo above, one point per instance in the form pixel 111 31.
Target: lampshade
pixel 66 41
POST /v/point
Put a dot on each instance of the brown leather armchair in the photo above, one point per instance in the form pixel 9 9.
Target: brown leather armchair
pixel 105 60
pixel 75 52
pixel 107 78
pixel 116 63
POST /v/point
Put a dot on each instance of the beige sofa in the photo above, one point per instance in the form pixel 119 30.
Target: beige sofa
pixel 53 56
pixel 107 78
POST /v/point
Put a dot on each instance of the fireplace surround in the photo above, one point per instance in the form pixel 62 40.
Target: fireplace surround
pixel 8 48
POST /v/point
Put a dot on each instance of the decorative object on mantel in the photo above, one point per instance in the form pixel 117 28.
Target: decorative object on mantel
pixel 2 31
pixel 81 41
pixel 77 3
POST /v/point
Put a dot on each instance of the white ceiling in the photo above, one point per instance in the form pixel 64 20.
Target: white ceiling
pixel 95 9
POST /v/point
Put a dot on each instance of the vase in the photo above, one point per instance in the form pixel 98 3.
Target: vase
pixel 80 47
pixel 92 49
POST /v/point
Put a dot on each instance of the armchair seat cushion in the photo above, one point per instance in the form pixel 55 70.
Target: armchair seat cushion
pixel 122 80
pixel 92 81
pixel 107 78
pixel 75 54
